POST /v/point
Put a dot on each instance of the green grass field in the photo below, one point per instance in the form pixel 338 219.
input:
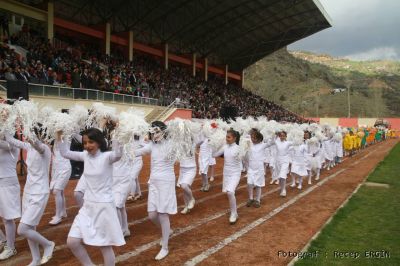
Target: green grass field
pixel 370 221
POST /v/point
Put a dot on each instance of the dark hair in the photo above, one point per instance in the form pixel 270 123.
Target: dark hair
pixel 161 125
pixel 235 134
pixel 39 131
pixel 257 134
pixel 284 132
pixel 97 136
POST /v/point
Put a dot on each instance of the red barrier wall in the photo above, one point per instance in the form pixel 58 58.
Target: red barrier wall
pixel 181 113
pixel 394 123
pixel 348 122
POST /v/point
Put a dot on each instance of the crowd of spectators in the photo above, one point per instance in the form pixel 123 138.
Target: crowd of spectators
pixel 84 66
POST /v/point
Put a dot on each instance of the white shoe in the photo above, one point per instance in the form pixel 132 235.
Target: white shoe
pixel 329 168
pixel 185 210
pixel 272 181
pixel 56 220
pixel 127 233
pixel 317 178
pixel 293 185
pixel 162 254
pixel 7 253
pixel 48 254
pixel 299 186
pixel 206 188
pixel 233 218
pixel 211 179
pixel 309 182
pixel 283 193
pixel 2 244
pixel 191 203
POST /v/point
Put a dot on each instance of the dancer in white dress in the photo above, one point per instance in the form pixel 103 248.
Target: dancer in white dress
pixel 162 196
pixel 187 173
pixel 10 199
pixel 60 174
pixel 97 221
pixel 298 168
pixel 282 160
pixel 314 158
pixel 256 170
pixel 122 185
pixel 204 163
pixel 35 197
pixel 136 192
pixel 232 170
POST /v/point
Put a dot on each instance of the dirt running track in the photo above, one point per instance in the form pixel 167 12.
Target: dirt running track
pixel 205 237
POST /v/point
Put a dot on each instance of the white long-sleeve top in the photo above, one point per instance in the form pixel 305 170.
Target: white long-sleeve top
pixel 59 162
pixel 8 160
pixel 97 170
pixel 257 155
pixel 38 165
pixel 299 154
pixel 313 149
pixel 232 160
pixel 283 150
pixel 161 167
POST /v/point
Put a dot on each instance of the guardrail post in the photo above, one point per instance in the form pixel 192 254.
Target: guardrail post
pixel 87 95
pixel 73 93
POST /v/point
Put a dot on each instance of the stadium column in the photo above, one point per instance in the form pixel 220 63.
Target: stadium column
pixel 108 38
pixel 226 74
pixel 50 21
pixel 166 56
pixel 194 65
pixel 206 69
pixel 242 79
pixel 130 46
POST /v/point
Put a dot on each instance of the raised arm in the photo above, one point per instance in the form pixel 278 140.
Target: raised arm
pixel 219 152
pixel 67 153
pixel 38 145
pixel 17 143
pixel 116 153
pixel 4 145
pixel 144 150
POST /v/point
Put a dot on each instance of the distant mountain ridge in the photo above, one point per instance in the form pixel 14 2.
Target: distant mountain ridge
pixel 316 84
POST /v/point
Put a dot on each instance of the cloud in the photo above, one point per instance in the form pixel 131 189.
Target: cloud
pixel 388 53
pixel 361 29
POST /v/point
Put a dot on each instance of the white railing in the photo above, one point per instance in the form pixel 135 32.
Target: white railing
pixel 165 111
pixel 85 94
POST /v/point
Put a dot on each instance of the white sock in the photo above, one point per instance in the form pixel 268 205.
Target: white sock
pixel 250 189
pixel 282 184
pixel 165 229
pixel 108 255
pixel 59 202
pixel 10 232
pixel 187 193
pixel 138 191
pixel 258 194
pixel 232 202
pixel 204 179
pixel 79 250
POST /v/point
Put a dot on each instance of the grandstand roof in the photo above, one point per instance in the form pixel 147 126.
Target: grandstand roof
pixel 233 32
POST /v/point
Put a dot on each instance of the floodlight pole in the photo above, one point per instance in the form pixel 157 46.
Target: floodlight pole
pixel 348 100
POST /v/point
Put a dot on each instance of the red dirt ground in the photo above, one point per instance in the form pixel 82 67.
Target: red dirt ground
pixel 289 230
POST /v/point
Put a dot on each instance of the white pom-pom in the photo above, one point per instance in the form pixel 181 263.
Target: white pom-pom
pixel 181 139
pixel 217 139
pixel 79 115
pixel 24 115
pixel 296 135
pixel 99 114
pixel 59 122
pixel 132 122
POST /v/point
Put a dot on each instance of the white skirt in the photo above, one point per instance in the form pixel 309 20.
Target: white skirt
pixel 299 169
pixel 212 161
pixel 60 178
pixel 256 177
pixel 81 185
pixel 204 162
pixel 162 197
pixel 10 198
pixel 186 175
pixel 33 206
pixel 97 224
pixel 230 182
pixel 282 169
pixel 136 168
pixel 121 189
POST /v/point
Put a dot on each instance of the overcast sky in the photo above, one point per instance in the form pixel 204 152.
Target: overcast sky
pixel 361 30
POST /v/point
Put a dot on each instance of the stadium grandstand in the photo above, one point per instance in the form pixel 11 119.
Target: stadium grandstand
pixel 189 53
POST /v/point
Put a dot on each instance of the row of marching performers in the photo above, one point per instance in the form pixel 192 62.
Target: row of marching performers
pixel 110 175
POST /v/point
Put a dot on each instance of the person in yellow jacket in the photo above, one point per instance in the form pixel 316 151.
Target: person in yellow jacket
pixel 348 143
